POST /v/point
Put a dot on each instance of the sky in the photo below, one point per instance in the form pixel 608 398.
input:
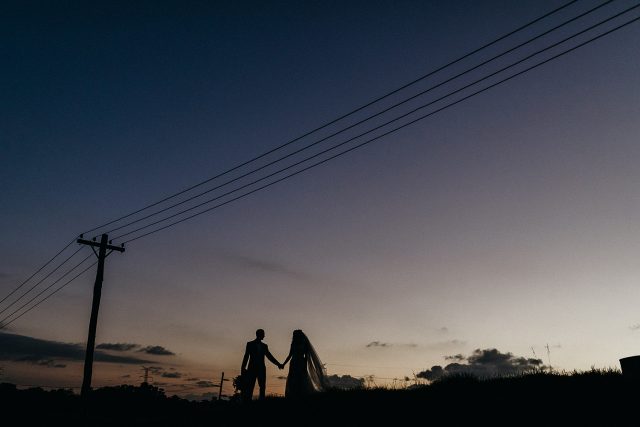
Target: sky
pixel 506 222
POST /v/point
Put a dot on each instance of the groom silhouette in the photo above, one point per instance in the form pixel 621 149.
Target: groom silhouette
pixel 256 370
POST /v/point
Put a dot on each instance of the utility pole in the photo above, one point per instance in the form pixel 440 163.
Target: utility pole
pixel 102 253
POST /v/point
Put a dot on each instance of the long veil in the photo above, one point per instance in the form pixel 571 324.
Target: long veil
pixel 315 368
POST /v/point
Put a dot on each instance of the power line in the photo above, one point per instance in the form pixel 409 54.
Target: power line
pixel 339 118
pixel 2 322
pixel 384 134
pixel 4 325
pixel 360 122
pixel 370 140
pixel 41 280
pixel 38 271
pixel 367 366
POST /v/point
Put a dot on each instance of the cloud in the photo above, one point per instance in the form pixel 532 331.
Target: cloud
pixel 22 348
pixel 483 363
pixel 443 330
pixel 378 344
pixel 263 266
pixel 205 384
pixel 156 350
pixel 345 382
pixel 171 375
pixel 382 344
pixel 434 373
pixel 50 363
pixel 117 346
pixel 635 327
pixel 193 379
pixel 457 357
pixel 446 345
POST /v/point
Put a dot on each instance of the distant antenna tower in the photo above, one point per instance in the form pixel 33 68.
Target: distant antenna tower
pixel 534 352
pixel 145 380
pixel 548 355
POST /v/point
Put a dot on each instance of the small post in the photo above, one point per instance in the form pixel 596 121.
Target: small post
pixel 221 383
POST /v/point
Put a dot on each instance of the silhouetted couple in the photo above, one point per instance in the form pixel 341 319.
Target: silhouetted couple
pixel 306 372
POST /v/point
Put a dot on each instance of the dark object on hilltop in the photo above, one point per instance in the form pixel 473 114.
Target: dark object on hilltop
pixel 631 367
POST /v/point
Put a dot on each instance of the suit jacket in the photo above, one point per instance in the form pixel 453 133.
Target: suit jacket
pixel 256 351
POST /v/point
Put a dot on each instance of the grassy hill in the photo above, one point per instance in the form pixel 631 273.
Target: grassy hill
pixel 592 397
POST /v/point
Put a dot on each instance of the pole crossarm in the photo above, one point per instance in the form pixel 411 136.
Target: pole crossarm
pixel 97 245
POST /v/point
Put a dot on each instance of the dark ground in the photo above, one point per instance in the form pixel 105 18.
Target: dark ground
pixel 592 398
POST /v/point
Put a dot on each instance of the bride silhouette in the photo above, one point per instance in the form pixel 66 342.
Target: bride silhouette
pixel 306 372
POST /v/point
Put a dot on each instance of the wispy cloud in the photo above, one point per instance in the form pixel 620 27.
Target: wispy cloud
pixel 263 266
pixel 635 327
pixel 378 344
pixel 432 346
pixel 171 375
pixel 456 357
pixel 446 345
pixel 205 384
pixel 22 348
pixel 156 350
pixel 50 364
pixel 117 346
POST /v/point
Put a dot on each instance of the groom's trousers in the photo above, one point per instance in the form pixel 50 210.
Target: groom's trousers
pixel 252 376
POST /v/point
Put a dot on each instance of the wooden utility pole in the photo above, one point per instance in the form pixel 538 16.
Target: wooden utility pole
pixel 102 253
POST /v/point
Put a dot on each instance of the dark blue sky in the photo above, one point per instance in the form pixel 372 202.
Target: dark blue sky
pixel 516 207
pixel 149 97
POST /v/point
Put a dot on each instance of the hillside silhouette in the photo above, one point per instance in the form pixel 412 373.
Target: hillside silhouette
pixel 603 396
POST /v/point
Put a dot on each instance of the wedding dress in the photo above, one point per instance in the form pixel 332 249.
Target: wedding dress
pixel 306 372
